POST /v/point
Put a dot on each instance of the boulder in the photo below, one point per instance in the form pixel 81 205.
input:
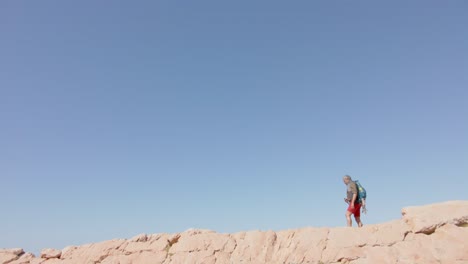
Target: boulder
pixel 50 253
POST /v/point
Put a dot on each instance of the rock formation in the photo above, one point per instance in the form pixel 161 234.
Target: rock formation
pixel 428 234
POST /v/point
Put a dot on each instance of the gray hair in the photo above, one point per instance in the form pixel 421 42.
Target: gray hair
pixel 347 177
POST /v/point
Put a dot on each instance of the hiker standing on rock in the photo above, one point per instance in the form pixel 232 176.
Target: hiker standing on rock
pixel 354 204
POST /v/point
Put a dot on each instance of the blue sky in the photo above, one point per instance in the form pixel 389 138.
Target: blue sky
pixel 120 118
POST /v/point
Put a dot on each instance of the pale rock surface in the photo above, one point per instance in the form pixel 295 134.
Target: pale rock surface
pixel 436 233
pixel 50 253
pixel 9 255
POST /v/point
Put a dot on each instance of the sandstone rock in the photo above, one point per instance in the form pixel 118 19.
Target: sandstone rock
pixel 435 233
pixel 9 255
pixel 50 253
pixel 300 245
pixel 193 241
pixel 144 257
pixel 154 243
pixel 95 252
pixel 139 238
pixel 14 251
pixel 23 259
pixel 37 261
pixel 425 219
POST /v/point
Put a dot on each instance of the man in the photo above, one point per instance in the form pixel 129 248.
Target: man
pixel 354 205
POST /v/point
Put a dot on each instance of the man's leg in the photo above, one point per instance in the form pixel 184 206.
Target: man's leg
pixel 357 215
pixel 348 218
pixel 358 220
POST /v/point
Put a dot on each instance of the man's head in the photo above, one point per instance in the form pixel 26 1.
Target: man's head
pixel 347 179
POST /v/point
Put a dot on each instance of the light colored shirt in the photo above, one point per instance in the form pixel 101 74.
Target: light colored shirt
pixel 351 190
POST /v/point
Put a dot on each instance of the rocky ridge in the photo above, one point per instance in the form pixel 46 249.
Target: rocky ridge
pixel 436 233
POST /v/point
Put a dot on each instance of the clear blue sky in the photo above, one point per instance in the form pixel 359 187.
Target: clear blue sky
pixel 120 118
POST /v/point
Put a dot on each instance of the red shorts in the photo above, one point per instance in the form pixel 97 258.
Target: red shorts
pixel 356 211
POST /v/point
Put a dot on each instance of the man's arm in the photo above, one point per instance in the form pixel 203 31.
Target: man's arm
pixel 355 193
pixel 364 209
pixel 353 200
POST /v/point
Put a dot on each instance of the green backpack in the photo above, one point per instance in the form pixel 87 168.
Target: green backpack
pixel 362 194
